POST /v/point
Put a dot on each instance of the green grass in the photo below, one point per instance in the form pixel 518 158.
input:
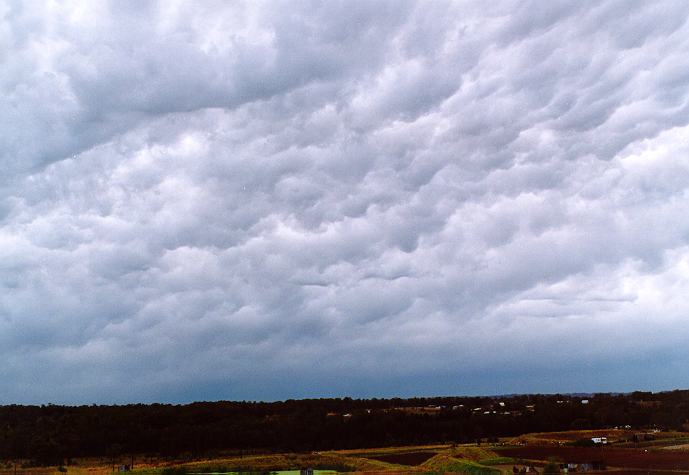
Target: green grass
pixel 444 463
pixel 326 462
pixel 498 461
pixel 467 466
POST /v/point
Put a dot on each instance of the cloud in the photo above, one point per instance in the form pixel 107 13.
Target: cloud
pixel 379 198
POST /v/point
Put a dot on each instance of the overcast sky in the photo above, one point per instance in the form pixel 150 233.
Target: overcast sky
pixel 225 200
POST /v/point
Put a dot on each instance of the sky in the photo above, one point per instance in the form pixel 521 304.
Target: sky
pixel 288 199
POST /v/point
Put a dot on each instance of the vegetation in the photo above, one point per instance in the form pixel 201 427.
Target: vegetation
pixel 443 463
pixel 52 435
pixel 498 461
pixel 586 442
pixel 551 468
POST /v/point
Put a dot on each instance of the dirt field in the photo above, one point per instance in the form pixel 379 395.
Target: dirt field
pixel 623 458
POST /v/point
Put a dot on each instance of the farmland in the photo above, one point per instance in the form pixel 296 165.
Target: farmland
pixel 666 458
pixel 611 457
pixel 486 459
pixel 477 435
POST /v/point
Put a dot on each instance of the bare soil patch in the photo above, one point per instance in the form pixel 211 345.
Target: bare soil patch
pixel 623 458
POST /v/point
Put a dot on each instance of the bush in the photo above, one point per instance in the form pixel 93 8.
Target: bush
pixel 583 443
pixel 551 468
pixel 175 471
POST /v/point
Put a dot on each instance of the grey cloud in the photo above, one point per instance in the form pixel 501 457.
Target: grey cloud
pixel 244 201
pixel 80 77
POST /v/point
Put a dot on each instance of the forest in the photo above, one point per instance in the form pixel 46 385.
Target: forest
pixel 53 434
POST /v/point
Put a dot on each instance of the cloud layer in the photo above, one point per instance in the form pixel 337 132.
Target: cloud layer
pixel 273 200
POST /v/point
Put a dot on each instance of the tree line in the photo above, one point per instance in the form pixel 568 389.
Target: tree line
pixel 53 434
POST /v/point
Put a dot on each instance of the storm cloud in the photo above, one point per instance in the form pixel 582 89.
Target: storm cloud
pixel 289 199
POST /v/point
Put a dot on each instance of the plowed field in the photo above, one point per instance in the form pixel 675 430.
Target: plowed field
pixel 624 458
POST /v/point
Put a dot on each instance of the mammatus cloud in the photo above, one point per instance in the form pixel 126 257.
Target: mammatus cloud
pixel 282 200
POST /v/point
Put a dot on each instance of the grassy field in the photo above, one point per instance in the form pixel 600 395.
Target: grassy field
pixel 443 463
pixel 421 459
pixel 669 451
